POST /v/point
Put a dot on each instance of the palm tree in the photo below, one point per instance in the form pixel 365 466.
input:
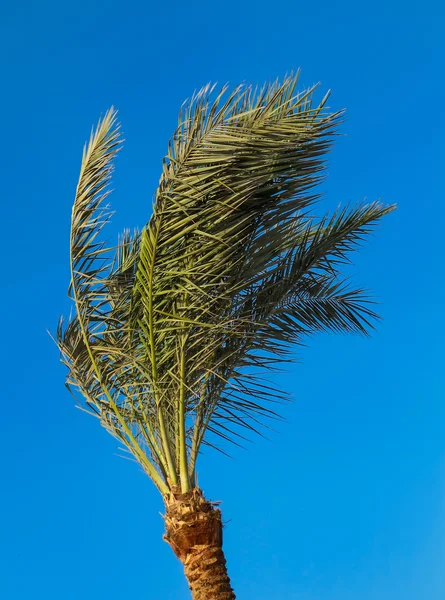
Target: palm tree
pixel 175 326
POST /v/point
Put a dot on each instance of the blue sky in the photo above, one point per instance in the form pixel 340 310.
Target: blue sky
pixel 347 501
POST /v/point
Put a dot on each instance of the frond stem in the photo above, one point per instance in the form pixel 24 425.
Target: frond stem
pixel 162 428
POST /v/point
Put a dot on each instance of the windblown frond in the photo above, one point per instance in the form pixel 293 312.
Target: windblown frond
pixel 231 269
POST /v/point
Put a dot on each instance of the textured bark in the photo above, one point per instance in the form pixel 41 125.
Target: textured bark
pixel 194 531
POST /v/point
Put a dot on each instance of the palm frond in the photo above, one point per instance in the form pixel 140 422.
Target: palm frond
pixel 92 280
pixel 231 269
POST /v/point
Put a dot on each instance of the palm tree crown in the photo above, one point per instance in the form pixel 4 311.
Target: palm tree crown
pixel 232 268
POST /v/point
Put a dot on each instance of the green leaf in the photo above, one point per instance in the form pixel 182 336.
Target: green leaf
pixel 175 326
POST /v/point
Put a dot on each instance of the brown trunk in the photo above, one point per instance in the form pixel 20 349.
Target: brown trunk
pixel 194 531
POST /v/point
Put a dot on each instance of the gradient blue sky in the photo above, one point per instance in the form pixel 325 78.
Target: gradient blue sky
pixel 347 502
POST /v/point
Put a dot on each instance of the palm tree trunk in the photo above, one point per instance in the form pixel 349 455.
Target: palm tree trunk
pixel 194 531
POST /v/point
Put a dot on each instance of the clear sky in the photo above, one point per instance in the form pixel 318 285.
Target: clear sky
pixel 347 500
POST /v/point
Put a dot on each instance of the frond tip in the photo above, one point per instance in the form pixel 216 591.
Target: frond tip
pixel 232 267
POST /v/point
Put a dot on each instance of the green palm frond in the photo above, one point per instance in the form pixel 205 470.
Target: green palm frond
pixel 231 269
